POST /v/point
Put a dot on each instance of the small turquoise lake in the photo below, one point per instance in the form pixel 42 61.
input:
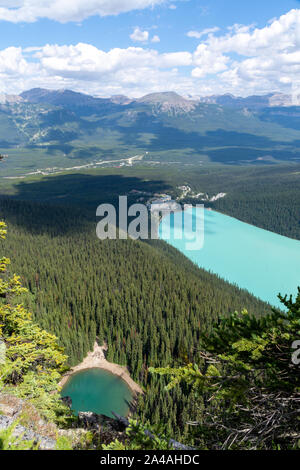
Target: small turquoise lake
pixel 99 391
pixel 260 261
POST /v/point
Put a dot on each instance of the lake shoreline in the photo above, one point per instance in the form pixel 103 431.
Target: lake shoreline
pixel 250 251
pixel 96 360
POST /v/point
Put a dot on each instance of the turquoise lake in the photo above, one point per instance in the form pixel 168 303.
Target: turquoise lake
pixel 260 261
pixel 99 391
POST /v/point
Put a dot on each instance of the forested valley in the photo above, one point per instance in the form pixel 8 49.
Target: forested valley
pixel 147 301
pixel 266 196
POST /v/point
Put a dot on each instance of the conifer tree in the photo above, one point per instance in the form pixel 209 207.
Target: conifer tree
pixel 248 381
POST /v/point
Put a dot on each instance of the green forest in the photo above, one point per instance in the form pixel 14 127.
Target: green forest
pixel 149 303
pixel 154 308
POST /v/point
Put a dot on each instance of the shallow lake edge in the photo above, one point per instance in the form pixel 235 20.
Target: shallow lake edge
pixel 96 360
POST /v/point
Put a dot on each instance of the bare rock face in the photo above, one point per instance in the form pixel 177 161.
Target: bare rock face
pixel 27 434
pixel 88 420
pixel 120 99
pixel 104 428
pixel 27 422
pixel 93 421
pixel 168 102
pixel 10 405
pixel 29 425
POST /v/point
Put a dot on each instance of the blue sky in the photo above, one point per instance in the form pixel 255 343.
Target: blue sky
pixel 170 24
pixel 134 47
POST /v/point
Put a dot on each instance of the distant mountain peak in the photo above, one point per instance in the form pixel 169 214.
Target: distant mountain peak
pixel 56 97
pixel 251 102
pixel 121 99
pixel 168 101
pixel 162 97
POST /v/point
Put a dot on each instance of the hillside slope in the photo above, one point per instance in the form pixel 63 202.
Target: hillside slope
pixel 148 306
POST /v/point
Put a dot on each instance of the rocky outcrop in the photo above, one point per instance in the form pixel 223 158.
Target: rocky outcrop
pixel 115 427
pixel 27 424
pixel 168 102
pixel 27 434
pixel 93 421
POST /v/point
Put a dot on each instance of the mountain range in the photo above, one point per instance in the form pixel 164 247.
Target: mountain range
pixel 61 128
pixel 167 99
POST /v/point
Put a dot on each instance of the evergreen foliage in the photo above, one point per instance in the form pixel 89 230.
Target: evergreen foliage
pixel 33 360
pixel 247 381
pixel 148 302
pixel 232 374
pixel 139 437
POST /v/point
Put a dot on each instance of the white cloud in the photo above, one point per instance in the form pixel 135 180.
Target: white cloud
pixel 175 59
pixel 283 35
pixel 244 61
pixel 85 59
pixel 13 63
pixel 200 34
pixel 155 38
pixel 208 62
pixel 139 36
pixel 134 71
pixel 17 11
pixel 253 60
